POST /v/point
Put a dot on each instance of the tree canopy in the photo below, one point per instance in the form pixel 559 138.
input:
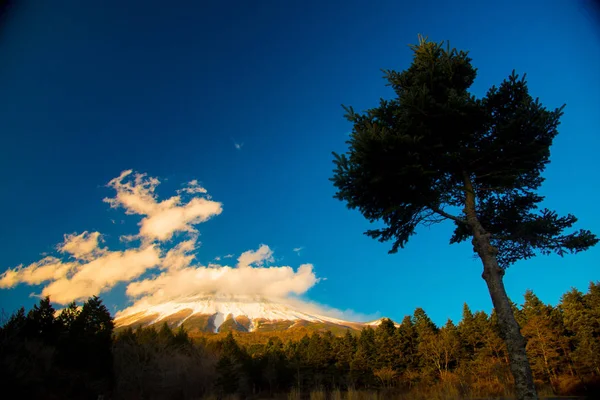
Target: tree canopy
pixel 408 159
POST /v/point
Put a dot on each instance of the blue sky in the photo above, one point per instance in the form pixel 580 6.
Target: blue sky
pixel 91 90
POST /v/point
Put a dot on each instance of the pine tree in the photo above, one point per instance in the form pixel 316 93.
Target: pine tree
pixel 469 336
pixel 543 336
pixel 408 343
pixel 362 365
pixel 41 323
pixel 68 316
pixel 90 345
pixel 181 338
pixel 427 343
pixel 423 324
pixel 345 354
pixel 230 368
pixel 165 334
pixel 449 345
pixel 386 342
pixel 578 323
pixel 14 327
pixel 435 153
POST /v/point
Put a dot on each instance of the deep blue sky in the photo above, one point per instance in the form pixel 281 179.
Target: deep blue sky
pixel 88 90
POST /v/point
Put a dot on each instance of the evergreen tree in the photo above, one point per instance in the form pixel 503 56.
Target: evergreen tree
pixel 592 301
pixel 435 152
pixel 233 367
pixel 580 315
pixel 469 334
pixel 423 324
pixel 14 327
pixel 328 362
pixel 427 340
pixel 181 338
pixel 449 346
pixel 543 336
pixel 41 323
pixel 408 343
pixel 68 316
pixel 345 354
pixel 165 334
pixel 388 346
pixel 228 368
pixel 89 347
pixel 361 366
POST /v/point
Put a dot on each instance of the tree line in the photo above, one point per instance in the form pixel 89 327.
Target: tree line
pixel 75 354
pixel 50 355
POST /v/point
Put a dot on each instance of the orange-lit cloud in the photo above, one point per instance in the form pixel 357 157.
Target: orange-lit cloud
pixel 135 193
pixel 158 269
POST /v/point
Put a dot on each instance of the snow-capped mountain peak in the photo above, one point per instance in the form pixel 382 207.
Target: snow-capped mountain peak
pixel 217 309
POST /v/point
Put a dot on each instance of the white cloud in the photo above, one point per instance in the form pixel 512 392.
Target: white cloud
pixel 193 187
pixel 189 282
pixel 101 274
pixel 218 258
pixel 162 219
pixel 228 256
pixel 83 246
pixel 258 257
pixel 238 146
pixel 178 257
pixel 89 275
pixel 297 250
pixel 48 268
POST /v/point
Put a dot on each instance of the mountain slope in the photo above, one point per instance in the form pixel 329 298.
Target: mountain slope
pixel 225 313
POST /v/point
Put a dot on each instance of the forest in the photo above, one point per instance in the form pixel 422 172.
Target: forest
pixel 75 353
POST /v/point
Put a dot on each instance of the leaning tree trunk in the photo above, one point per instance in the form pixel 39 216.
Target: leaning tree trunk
pixel 493 274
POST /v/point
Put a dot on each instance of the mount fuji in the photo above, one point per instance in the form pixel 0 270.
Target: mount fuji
pixel 222 313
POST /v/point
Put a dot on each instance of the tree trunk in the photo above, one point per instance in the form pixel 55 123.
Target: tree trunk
pixel 515 344
pixel 493 274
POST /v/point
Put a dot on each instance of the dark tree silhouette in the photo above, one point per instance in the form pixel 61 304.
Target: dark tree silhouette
pixel 435 153
pixel 41 323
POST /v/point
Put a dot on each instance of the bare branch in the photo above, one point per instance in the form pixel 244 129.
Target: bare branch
pixel 444 214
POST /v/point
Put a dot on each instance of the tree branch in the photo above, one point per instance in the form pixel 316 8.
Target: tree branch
pixel 444 214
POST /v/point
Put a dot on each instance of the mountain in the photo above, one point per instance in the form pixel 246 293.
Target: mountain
pixel 221 313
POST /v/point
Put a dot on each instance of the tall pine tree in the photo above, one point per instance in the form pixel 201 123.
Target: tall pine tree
pixel 435 153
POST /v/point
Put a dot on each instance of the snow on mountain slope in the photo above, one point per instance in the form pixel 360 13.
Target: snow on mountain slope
pixel 378 322
pixel 219 308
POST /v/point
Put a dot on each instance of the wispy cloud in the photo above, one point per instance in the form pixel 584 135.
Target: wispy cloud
pixel 238 146
pixel 192 187
pixel 102 274
pixel 257 258
pixel 297 250
pixel 46 269
pixel 346 315
pixel 228 256
pixel 86 276
pixel 83 246
pixel 136 194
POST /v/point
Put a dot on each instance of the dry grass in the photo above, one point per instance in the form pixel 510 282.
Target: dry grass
pixel 318 395
pixel 438 392
pixel 295 394
pixel 336 394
